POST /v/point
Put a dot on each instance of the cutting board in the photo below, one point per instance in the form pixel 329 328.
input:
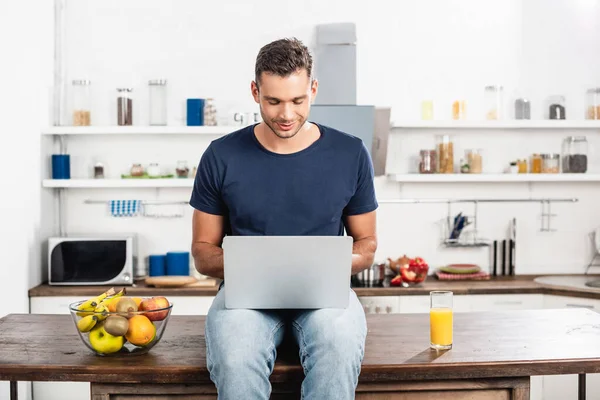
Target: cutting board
pixel 178 281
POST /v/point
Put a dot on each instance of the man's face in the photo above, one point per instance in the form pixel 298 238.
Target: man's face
pixel 285 101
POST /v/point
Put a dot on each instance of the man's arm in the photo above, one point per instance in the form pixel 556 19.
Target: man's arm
pixel 363 229
pixel 207 236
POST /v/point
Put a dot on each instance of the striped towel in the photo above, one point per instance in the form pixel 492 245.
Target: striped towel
pixel 124 208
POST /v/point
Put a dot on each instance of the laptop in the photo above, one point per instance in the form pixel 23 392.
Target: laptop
pixel 287 272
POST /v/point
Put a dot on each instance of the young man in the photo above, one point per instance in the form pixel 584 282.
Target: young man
pixel 284 176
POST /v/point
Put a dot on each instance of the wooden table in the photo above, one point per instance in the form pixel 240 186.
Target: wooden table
pixel 494 353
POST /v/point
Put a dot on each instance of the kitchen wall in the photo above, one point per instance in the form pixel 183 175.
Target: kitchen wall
pixel 406 53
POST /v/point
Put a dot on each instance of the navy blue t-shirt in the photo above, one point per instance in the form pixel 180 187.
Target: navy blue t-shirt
pixel 304 193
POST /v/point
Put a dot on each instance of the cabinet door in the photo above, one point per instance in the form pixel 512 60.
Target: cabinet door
pixel 420 304
pixel 506 302
pixel 191 305
pixel 380 304
pixel 551 301
pixel 52 305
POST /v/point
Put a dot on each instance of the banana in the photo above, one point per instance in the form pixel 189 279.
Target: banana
pixel 89 305
pixel 101 312
pixel 86 323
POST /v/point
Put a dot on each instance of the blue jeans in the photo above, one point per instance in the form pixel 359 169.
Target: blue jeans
pixel 242 348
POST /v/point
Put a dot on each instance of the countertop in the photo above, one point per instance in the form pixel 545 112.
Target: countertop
pixel 486 345
pixel 563 285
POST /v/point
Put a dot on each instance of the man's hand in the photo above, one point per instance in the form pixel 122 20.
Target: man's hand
pixel 207 236
pixel 363 228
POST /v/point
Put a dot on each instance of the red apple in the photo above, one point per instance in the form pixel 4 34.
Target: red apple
pixel 155 303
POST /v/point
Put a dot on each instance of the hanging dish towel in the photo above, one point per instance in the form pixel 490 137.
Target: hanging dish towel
pixel 124 208
pixel 163 210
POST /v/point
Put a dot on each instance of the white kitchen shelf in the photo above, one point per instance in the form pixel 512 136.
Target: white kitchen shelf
pixel 118 183
pixel 457 178
pixel 140 130
pixel 507 124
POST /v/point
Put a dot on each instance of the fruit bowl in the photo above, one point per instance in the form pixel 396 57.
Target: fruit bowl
pixel 116 325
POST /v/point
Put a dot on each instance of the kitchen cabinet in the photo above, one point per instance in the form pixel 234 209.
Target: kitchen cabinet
pixel 420 304
pixel 506 302
pixel 380 304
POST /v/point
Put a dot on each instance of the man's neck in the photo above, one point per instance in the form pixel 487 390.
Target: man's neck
pixel 307 135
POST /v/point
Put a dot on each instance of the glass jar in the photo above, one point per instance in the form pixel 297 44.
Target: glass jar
pixel 574 154
pixel 182 169
pixel 153 170
pixel 445 154
pixel 474 160
pixel 493 100
pixel 459 110
pixel 98 171
pixel 82 103
pixel 210 112
pixel 136 170
pixel 592 103
pixel 522 165
pixel 536 164
pixel 427 110
pixel 550 163
pixel 557 108
pixel 125 107
pixel 428 162
pixel 157 95
pixel 522 109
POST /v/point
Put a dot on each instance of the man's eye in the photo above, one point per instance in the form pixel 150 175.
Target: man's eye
pixel 273 102
pixel 298 102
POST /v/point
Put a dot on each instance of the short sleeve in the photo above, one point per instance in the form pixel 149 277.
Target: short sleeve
pixel 364 199
pixel 206 194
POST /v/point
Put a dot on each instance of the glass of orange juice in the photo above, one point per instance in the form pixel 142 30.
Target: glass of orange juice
pixel 440 320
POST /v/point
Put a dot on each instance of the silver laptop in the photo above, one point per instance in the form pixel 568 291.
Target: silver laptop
pixel 285 272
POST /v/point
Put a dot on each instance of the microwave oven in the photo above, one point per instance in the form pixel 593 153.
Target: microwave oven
pixel 94 260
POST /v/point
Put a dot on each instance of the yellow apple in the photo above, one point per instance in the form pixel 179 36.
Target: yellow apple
pixel 103 342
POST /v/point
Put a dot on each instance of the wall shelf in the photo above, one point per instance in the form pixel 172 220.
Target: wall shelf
pixel 507 124
pixel 491 178
pixel 140 130
pixel 117 183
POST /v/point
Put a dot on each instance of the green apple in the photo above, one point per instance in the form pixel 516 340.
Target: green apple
pixel 104 342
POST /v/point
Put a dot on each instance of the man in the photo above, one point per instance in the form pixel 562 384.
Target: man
pixel 284 176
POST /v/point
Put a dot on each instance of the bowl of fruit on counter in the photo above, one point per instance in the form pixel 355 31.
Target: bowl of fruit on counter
pixel 409 271
pixel 113 323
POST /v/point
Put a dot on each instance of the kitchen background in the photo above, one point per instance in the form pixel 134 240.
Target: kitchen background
pixel 406 53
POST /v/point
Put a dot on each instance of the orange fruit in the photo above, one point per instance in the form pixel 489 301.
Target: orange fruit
pixel 138 301
pixel 141 330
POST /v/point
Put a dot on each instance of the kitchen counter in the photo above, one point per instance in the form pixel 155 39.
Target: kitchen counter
pixel 494 355
pixel 523 284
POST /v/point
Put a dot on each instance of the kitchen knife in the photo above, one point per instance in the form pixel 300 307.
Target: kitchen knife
pixel 503 257
pixel 495 259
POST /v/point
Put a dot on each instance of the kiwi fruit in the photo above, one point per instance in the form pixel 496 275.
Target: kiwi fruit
pixel 116 325
pixel 126 307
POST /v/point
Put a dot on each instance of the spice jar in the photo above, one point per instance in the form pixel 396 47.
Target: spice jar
pixel 550 163
pixel 182 169
pixel 535 164
pixel 427 110
pixel 557 107
pixel 522 109
pixel 493 99
pixel 474 160
pixel 153 170
pixel 125 107
pixel 98 171
pixel 445 154
pixel 137 170
pixel 522 166
pixel 428 162
pixel 82 115
pixel 592 103
pixel 459 110
pixel 157 89
pixel 574 154
pixel 210 112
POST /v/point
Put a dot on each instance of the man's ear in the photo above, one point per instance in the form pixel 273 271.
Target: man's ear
pixel 255 91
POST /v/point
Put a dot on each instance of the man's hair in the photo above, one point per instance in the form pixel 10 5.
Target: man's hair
pixel 283 57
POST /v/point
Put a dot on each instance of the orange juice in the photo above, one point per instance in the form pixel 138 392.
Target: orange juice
pixel 440 320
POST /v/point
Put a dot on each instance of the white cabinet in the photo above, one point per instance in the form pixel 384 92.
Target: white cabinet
pixel 420 304
pixel 191 305
pixel 506 302
pixel 380 304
